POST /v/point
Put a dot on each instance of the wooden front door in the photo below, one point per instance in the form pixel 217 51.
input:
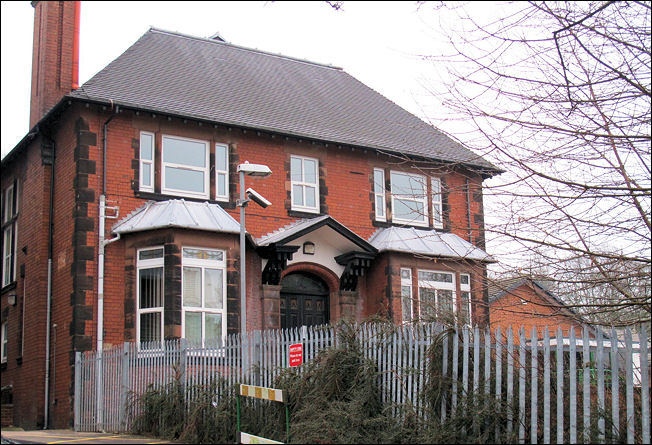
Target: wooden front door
pixel 304 301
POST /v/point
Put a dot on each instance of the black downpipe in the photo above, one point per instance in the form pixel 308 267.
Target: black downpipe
pixel 52 147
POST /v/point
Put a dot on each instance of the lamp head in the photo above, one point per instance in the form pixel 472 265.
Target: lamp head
pixel 258 170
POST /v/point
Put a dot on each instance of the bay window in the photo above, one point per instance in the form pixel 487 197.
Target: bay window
pixel 465 303
pixel 436 295
pixel 406 295
pixel 203 295
pixel 150 264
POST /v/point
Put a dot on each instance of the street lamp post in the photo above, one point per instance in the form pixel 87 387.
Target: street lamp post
pixel 257 170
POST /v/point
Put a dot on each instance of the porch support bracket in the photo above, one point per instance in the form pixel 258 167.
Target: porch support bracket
pixel 355 263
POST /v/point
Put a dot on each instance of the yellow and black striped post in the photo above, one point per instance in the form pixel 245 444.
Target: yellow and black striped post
pixel 260 392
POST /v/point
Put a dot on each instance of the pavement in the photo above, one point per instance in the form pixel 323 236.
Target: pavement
pixel 73 437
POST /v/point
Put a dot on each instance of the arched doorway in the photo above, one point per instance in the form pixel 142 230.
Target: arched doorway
pixel 304 300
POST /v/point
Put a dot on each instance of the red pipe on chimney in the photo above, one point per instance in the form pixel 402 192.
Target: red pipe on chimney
pixel 75 47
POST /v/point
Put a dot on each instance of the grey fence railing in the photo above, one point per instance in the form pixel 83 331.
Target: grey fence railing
pixel 598 382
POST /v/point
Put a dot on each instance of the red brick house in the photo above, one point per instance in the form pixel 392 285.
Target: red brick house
pixel 527 302
pixel 120 206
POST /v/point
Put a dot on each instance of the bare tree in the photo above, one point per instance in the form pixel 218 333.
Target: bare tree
pixel 559 96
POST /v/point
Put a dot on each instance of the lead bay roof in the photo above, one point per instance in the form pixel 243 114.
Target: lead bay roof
pixel 180 214
pixel 216 81
pixel 427 242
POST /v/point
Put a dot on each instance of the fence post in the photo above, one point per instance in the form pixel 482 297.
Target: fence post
pixel 586 381
pixel 78 395
pixel 645 384
pixel 124 387
pixel 183 358
pixel 572 387
pixel 534 386
pixel 629 386
pixel 257 353
pixel 615 404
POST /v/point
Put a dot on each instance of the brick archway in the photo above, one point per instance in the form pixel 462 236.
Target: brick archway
pixel 331 280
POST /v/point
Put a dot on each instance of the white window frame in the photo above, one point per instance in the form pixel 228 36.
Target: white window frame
pixel 405 197
pixel 303 184
pixel 406 284
pixel 466 288
pixel 379 194
pixel 437 286
pixel 204 264
pixel 154 263
pixel 9 229
pixel 150 163
pixel 437 203
pixel 205 170
pixel 222 172
pixel 4 333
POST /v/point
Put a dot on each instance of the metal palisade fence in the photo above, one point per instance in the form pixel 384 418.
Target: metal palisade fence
pixel 588 386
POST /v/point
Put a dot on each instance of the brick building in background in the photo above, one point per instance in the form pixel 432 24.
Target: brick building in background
pixel 527 302
pixel 373 211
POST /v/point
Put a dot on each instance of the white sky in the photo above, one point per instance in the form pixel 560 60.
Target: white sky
pixel 376 42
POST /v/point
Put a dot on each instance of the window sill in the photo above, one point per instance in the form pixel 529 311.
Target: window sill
pixel 303 214
pixel 165 197
pixel 8 287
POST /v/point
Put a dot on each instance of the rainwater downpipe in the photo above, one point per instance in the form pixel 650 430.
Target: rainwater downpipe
pixel 46 409
pixel 100 279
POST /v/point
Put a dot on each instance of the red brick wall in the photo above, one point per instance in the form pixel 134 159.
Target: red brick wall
pixel 346 189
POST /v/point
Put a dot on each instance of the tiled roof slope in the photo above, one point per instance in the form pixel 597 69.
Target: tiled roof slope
pixel 220 82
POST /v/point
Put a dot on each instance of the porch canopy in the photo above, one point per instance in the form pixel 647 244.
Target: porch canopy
pixel 325 241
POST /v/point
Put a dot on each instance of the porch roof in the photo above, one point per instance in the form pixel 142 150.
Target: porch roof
pixel 427 242
pixel 178 213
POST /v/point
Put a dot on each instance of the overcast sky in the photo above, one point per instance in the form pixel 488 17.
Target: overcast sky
pixel 379 43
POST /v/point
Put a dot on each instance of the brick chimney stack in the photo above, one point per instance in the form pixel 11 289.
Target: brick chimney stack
pixel 55 57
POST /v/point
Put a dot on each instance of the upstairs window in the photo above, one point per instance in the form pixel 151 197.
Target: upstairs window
pixel 204 295
pixel 437 220
pixel 409 199
pixel 146 161
pixel 9 232
pixel 379 194
pixel 221 172
pixel 184 167
pixel 304 173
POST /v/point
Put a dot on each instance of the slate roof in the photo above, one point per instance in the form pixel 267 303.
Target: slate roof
pixel 427 242
pixel 215 81
pixel 178 213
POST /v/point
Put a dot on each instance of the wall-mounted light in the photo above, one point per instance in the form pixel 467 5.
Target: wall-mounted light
pixel 11 299
pixel 308 248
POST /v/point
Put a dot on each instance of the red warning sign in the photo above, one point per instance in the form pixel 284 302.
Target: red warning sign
pixel 296 354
